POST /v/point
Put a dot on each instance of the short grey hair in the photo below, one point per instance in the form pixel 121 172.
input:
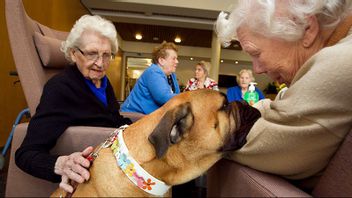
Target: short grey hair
pixel 89 23
pixel 261 17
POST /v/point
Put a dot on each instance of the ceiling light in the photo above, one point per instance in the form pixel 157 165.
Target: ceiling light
pixel 191 58
pixel 138 36
pixel 221 60
pixel 236 62
pixel 178 39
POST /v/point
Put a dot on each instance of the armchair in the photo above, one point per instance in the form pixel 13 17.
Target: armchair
pixel 35 50
pixel 230 179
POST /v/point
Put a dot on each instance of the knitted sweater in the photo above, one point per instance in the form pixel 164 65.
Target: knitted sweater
pixel 66 101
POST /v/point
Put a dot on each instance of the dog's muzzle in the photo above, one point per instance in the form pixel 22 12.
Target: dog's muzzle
pixel 244 116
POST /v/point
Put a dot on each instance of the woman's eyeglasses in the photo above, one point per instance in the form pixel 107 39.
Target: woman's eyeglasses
pixel 94 56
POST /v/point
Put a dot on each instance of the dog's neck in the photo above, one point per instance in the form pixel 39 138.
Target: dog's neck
pixel 133 170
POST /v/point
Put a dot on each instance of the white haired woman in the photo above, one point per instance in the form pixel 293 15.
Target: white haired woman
pixel 201 79
pixel 302 43
pixel 80 95
pixel 236 93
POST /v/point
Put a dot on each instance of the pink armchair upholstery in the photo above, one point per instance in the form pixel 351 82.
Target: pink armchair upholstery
pixel 230 179
pixel 35 50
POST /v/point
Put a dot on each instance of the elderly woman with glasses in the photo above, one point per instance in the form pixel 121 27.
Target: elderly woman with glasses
pixel 80 95
pixel 306 44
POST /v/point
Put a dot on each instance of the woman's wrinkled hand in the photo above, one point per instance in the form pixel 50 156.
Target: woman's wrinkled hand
pixel 73 167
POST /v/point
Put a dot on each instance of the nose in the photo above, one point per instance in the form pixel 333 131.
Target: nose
pixel 99 62
pixel 257 67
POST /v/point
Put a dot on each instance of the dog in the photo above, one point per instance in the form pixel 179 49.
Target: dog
pixel 175 144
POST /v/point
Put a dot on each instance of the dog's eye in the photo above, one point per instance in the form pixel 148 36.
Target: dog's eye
pixel 224 106
pixel 216 125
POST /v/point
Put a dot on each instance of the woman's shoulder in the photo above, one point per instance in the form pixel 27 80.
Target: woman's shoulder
pixel 152 69
pixel 211 80
pixel 192 80
pixel 233 88
pixel 68 77
pixel 341 51
pixel 58 78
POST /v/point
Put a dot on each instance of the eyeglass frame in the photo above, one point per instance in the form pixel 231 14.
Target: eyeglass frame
pixel 97 56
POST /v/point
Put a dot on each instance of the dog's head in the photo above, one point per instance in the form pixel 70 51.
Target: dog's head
pixel 199 126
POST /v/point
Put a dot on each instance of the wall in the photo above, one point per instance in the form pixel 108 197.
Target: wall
pixel 114 74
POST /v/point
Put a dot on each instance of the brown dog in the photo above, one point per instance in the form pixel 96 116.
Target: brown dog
pixel 175 144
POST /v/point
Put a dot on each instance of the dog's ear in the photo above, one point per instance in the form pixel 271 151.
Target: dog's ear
pixel 246 117
pixel 171 127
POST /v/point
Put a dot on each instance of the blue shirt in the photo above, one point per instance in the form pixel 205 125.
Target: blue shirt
pixel 151 91
pixel 235 94
pixel 99 92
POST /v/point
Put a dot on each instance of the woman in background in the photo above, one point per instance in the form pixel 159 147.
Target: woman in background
pixel 236 93
pixel 158 84
pixel 201 79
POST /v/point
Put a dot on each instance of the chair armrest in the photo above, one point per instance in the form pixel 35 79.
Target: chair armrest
pixel 133 116
pixel 21 184
pixel 78 138
pixel 230 179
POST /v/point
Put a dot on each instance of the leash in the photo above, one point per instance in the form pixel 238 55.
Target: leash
pixel 91 157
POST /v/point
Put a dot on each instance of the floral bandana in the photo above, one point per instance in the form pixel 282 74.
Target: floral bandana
pixel 133 170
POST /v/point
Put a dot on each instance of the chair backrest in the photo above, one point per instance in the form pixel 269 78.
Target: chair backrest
pixel 22 30
pixel 337 178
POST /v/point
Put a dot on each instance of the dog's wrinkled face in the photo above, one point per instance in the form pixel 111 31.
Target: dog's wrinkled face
pixel 202 123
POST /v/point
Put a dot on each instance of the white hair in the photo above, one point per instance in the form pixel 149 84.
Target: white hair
pixel 89 23
pixel 285 19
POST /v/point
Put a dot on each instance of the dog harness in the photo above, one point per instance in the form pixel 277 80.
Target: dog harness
pixel 132 169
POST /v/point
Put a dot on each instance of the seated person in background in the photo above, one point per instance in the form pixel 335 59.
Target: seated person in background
pixel 301 44
pixel 158 84
pixel 79 96
pixel 236 93
pixel 201 79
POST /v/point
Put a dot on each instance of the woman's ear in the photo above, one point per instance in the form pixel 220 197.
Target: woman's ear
pixel 311 32
pixel 161 61
pixel 72 55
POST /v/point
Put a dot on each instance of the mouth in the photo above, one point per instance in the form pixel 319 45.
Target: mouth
pixel 97 70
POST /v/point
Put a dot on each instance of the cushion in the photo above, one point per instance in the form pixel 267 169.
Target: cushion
pixel 49 51
pixel 46 31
